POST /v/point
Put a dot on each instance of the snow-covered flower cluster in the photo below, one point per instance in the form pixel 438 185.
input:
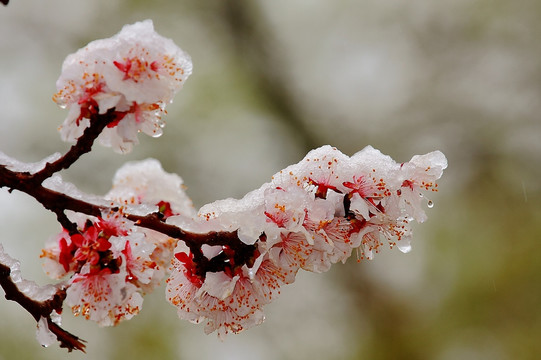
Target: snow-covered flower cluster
pixel 136 73
pixel 108 265
pixel 111 262
pixel 146 183
pixel 311 215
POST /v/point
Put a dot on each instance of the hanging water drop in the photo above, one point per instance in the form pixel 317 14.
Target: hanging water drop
pixel 251 274
pixel 430 204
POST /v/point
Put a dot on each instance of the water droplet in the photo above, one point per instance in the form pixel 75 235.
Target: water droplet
pixel 430 204
pixel 251 274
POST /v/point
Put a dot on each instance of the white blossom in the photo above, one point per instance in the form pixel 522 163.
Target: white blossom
pixel 145 182
pixel 109 264
pixel 136 73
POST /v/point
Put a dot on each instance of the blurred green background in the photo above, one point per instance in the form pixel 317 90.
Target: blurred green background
pixel 271 81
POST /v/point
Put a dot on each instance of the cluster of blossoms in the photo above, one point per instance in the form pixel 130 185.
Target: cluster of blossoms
pixel 106 263
pixel 111 262
pixel 311 215
pixel 136 73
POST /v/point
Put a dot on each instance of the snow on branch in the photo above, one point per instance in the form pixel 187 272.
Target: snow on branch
pixel 44 303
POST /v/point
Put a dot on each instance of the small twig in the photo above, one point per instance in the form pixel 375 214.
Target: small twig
pixel 67 340
pixel 98 122
pixel 59 202
pixel 66 223
pixel 40 309
pixel 192 240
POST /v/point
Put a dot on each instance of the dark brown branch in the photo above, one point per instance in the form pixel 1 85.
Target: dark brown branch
pixel 98 122
pixel 40 309
pixel 50 199
pixel 153 222
pixel 5 2
pixel 58 202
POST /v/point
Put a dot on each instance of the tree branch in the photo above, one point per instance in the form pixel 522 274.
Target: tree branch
pixel 40 309
pixel 98 122
pixel 58 202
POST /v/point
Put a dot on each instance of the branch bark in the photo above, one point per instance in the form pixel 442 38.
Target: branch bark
pixel 40 309
pixel 98 122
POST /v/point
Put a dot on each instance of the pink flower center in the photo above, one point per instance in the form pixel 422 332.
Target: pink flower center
pixel 136 69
